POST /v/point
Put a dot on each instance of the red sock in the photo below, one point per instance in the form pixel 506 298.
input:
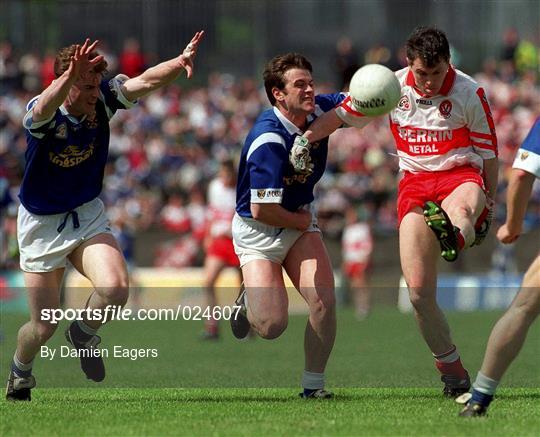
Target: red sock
pixel 449 363
pixel 460 240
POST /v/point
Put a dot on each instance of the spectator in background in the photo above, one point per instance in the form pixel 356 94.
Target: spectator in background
pixel 218 242
pixel 357 246
pixel 47 68
pixel 131 61
pixel 345 62
pixel 9 73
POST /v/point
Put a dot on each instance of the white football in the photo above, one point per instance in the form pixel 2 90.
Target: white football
pixel 374 90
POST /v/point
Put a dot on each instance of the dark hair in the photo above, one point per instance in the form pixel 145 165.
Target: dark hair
pixel 275 70
pixel 429 44
pixel 63 58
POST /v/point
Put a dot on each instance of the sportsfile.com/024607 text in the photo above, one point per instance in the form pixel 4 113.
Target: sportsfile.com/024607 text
pixel 116 312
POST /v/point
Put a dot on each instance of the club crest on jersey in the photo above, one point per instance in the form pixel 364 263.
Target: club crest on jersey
pixel 524 156
pixel 261 194
pixel 445 108
pixel 404 104
pixel 61 132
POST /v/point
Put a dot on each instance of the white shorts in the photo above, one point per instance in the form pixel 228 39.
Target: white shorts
pixel 43 248
pixel 255 240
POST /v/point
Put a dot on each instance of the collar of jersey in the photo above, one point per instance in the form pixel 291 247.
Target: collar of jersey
pixel 445 88
pixel 71 118
pixel 291 127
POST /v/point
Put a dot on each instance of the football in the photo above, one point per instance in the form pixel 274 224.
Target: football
pixel 374 90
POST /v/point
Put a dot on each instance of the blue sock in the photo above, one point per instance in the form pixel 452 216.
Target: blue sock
pixel 481 398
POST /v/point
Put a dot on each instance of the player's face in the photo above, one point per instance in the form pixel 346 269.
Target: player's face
pixel 299 91
pixel 84 94
pixel 429 80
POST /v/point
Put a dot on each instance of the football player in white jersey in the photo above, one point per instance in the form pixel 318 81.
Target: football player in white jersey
pixel 61 217
pixel 447 149
pixel 510 331
pixel 218 239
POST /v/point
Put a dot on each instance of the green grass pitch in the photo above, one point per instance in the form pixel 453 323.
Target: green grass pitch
pixel 380 370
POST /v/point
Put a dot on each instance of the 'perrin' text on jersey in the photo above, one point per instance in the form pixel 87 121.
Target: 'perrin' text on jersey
pixel 425 135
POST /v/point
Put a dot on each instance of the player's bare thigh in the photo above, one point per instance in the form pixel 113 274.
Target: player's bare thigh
pixel 266 294
pixel 469 197
pixel 419 253
pixel 309 267
pixel 101 261
pixel 43 290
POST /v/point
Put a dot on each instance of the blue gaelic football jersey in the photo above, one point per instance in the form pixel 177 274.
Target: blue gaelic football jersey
pixel 528 155
pixel 265 174
pixel 66 156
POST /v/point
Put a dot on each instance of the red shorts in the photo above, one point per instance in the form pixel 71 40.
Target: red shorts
pixel 355 269
pixel 415 189
pixel 222 248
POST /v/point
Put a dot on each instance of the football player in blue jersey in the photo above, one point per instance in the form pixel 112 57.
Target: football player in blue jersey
pixel 275 225
pixel 508 334
pixel 61 217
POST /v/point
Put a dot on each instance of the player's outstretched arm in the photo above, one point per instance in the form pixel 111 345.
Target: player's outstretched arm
pixel 323 126
pixel 163 73
pixel 517 198
pixel 55 94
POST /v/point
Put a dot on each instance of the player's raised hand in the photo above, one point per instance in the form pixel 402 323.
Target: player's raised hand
pixel 80 63
pixel 188 55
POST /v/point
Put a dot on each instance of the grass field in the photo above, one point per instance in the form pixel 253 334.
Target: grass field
pixel 380 370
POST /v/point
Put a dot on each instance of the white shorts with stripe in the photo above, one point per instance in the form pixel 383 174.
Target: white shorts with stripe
pixel 255 240
pixel 43 248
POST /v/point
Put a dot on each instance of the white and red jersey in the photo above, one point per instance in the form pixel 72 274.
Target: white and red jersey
pixel 221 207
pixel 437 133
pixel 357 243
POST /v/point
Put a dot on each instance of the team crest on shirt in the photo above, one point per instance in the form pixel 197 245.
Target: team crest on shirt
pixel 524 156
pixel 261 194
pixel 445 108
pixel 404 103
pixel 61 131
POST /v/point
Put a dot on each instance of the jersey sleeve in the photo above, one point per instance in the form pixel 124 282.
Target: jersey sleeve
pixel 350 116
pixel 266 159
pixel 481 126
pixel 528 155
pixel 327 102
pixel 112 96
pixel 37 129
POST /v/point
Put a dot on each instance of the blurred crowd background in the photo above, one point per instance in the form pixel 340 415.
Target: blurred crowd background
pixel 165 151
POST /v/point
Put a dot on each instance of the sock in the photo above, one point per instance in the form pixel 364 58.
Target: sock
pixel 449 363
pixel 485 385
pixel 312 381
pixel 81 331
pixel 22 370
pixel 460 239
pixel 465 237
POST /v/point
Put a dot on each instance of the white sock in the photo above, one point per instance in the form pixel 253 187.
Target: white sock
pixel 312 380
pixel 85 328
pixel 485 385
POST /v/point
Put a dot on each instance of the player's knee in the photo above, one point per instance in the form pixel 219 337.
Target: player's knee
pixel 322 307
pixel 43 331
pixel 270 329
pixel 115 292
pixel 420 299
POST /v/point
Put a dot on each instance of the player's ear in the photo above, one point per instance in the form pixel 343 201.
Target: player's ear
pixel 278 94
